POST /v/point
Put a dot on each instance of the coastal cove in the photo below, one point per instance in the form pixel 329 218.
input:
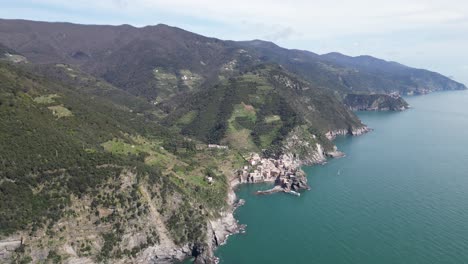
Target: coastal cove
pixel 399 196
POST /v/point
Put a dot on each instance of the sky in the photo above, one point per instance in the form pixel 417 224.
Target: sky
pixel 424 34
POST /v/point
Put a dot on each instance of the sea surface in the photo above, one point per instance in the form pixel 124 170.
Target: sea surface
pixel 399 196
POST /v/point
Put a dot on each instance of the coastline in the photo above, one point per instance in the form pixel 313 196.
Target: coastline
pixel 342 176
pixel 221 228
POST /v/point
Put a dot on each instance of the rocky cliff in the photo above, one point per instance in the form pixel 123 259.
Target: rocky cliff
pixel 105 134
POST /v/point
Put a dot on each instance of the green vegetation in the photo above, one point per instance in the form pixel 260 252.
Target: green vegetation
pixel 54 257
pixel 240 126
pixel 191 80
pixel 115 140
pixel 257 110
pixel 272 118
pixel 118 146
pixel 45 161
pixel 376 102
pixel 233 117
pixel 166 82
pixel 187 118
pixel 45 99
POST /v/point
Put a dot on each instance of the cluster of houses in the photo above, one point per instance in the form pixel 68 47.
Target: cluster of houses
pixel 281 171
pixel 230 65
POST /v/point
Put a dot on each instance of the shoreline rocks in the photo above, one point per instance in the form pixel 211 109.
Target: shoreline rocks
pixel 284 172
pixel 360 131
pixel 335 154
pixel 219 229
pixel 332 134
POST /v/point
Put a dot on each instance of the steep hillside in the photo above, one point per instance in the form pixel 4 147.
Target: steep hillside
pixel 150 61
pixel 7 54
pixel 93 86
pixel 157 62
pixel 4 49
pixel 258 109
pixel 390 77
pixel 95 182
pixel 344 74
pixel 104 133
pixel 375 102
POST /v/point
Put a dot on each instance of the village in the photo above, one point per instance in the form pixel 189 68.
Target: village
pixel 283 172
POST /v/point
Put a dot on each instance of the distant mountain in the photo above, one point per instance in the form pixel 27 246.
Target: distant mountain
pixel 392 77
pixel 4 50
pixel 123 55
pixel 344 74
pixel 129 57
pixel 7 54
pixel 106 133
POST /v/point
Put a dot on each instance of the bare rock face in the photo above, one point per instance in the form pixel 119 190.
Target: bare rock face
pixel 304 147
pixel 343 132
pixel 334 133
pixel 335 154
pixel 219 230
pixel 8 246
pixel 299 183
pixel 162 254
pixel 223 227
pixel 360 131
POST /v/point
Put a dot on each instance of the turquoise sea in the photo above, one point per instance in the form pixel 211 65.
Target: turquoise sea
pixel 399 196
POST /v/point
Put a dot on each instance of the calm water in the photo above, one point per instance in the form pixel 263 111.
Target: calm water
pixel 400 196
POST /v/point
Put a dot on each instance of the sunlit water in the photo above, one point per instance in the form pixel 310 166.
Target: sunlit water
pixel 399 196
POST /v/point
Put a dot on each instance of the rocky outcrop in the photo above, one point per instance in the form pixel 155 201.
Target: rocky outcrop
pixel 166 251
pixel 375 102
pixel 9 245
pixel 332 134
pixel 343 132
pixel 335 153
pixel 161 254
pixel 360 130
pixel 83 236
pixel 304 147
pixel 219 230
pixel 226 225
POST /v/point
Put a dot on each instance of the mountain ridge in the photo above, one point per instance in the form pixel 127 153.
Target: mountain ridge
pixel 128 142
pixel 135 52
